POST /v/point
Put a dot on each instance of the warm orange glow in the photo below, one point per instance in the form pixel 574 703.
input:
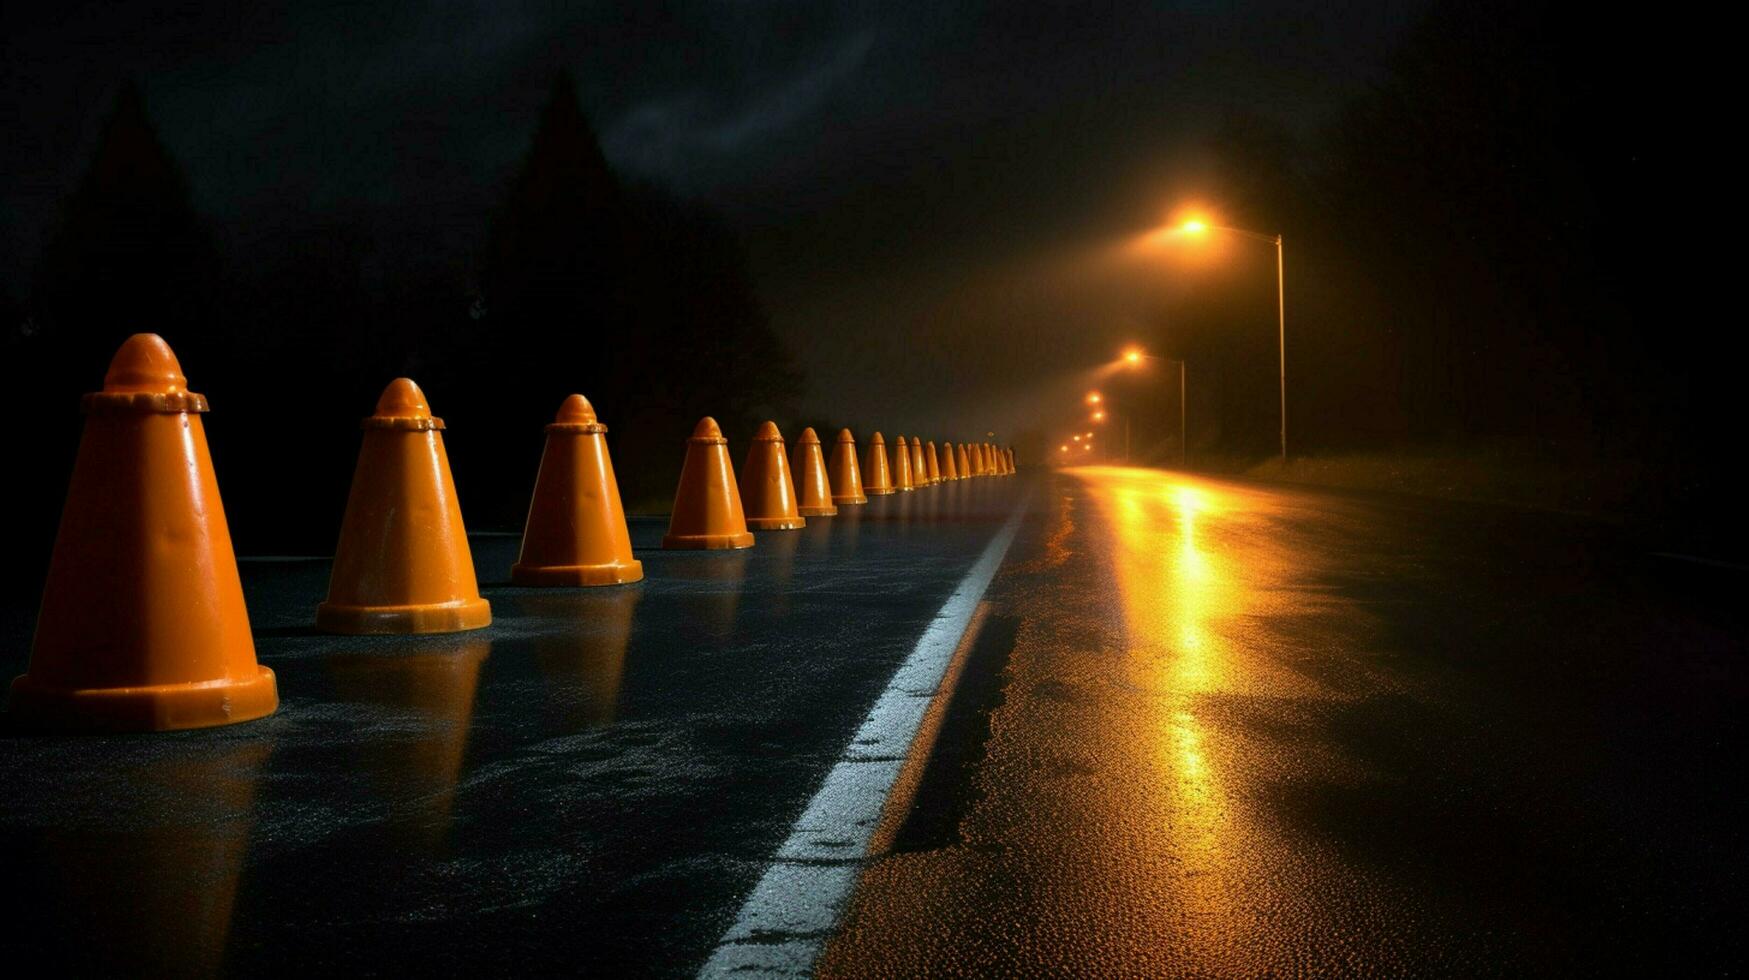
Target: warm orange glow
pixel 1076 438
pixel 1195 226
pixel 1093 398
pixel 1098 416
pixel 1065 447
pixel 1133 356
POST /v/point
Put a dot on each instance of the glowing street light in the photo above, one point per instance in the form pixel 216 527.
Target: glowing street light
pixel 1093 397
pixel 1098 416
pixel 1196 226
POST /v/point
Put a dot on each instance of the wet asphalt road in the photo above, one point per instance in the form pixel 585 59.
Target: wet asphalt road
pixel 1203 728
pixel 1246 731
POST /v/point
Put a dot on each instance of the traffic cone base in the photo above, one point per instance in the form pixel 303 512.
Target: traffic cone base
pixel 577 575
pixel 576 532
pixel 142 625
pixel 707 506
pixel 402 564
pixel 440 617
pixel 159 708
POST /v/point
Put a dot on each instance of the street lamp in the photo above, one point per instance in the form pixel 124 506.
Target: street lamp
pixel 1199 227
pixel 1135 357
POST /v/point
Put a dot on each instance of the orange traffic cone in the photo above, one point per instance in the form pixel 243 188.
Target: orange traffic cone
pixel 989 459
pixel 933 464
pixel 919 470
pixel 813 490
pixel 1008 457
pixel 576 531
pixel 949 471
pixel 707 506
pixel 877 479
pixel 402 565
pixel 770 488
pixel 902 479
pixel 846 476
pixel 142 626
pixel 963 462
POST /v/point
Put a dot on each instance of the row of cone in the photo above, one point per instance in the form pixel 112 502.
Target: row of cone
pixel 143 625
pixel 714 510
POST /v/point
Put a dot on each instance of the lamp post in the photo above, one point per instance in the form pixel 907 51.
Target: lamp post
pixel 1195 227
pixel 1134 357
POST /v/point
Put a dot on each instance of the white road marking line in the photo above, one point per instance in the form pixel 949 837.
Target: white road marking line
pixel 794 908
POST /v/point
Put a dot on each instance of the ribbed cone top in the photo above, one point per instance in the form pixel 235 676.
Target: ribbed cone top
pixel 845 436
pixel 576 410
pixel 808 438
pixel 402 399
pixel 768 433
pixel 874 440
pixel 707 431
pixel 145 363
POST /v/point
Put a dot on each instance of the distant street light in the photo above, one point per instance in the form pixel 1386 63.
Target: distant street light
pixel 1197 227
pixel 1134 356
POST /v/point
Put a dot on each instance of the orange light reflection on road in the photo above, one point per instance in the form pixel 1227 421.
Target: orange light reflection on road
pixel 1172 589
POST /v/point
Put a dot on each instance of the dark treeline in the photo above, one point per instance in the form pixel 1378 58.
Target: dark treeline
pixel 1495 247
pixel 582 282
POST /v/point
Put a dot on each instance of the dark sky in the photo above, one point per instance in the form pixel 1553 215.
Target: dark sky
pixel 915 181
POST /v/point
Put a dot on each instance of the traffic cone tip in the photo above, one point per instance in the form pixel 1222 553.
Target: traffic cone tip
pixel 708 429
pixel 145 363
pixel 576 410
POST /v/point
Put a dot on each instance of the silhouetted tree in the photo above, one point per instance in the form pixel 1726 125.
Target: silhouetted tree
pixel 642 304
pixel 127 254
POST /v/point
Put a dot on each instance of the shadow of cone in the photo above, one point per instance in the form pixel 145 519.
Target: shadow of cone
pixel 964 462
pixel 152 893
pixel 576 531
pixel 768 488
pixel 919 469
pixel 707 505
pixel 846 474
pixel 403 564
pixel 583 662
pixel 902 478
pixel 142 626
pixel 429 692
pixel 932 464
pixel 948 470
pixel 877 480
pixel 813 490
